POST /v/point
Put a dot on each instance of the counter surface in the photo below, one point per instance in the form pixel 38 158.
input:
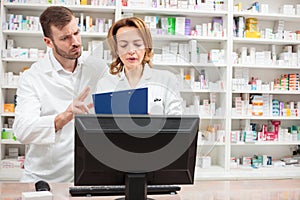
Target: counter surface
pixel 287 189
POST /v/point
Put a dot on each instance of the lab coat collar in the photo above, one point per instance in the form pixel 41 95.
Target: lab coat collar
pixel 147 73
pixel 49 62
pixel 48 67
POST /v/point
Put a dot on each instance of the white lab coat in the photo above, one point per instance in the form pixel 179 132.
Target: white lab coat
pixel 163 89
pixel 41 95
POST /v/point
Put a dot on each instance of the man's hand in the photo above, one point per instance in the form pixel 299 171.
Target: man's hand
pixel 76 107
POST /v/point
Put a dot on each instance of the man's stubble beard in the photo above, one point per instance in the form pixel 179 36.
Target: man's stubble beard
pixel 65 54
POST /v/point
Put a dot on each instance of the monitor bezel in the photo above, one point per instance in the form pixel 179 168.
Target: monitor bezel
pixel 110 176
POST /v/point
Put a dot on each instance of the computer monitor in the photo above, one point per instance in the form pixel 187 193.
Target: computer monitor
pixel 135 150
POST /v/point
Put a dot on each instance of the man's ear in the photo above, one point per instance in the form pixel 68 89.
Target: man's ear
pixel 48 42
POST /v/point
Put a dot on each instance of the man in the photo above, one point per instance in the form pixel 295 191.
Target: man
pixel 49 94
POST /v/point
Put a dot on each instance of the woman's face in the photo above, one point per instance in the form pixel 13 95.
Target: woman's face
pixel 130 47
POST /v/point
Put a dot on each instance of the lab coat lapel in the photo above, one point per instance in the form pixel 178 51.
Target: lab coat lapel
pixel 48 70
pixel 147 74
pixel 123 83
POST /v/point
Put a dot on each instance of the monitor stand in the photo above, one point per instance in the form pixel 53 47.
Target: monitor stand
pixel 135 187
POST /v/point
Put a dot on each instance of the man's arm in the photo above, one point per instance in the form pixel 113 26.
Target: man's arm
pixel 77 107
pixel 28 126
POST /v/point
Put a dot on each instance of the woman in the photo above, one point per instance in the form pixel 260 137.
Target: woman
pixel 130 42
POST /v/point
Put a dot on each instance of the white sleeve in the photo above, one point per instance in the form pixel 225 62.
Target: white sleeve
pixel 29 126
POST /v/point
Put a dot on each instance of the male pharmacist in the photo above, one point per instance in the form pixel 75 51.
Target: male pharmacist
pixel 49 94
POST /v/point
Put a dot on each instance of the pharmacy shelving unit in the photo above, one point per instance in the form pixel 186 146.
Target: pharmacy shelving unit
pixel 220 148
pixel 267 73
pixel 32 39
pixel 215 148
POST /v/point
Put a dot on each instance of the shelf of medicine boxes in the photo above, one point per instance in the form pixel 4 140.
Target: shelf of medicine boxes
pixel 282 148
pixel 276 149
pixel 179 12
pixel 9 174
pixel 20 7
pixel 269 18
pixel 194 14
pixel 217 154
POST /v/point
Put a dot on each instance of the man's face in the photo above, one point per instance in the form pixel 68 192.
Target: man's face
pixel 66 43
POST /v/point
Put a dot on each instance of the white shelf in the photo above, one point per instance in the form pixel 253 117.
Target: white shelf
pixel 188 38
pixel 207 143
pixel 176 12
pixel 30 60
pixel 26 6
pixel 201 91
pixel 219 173
pixel 265 143
pixel 267 67
pixel 75 8
pixel 266 92
pixel 10 174
pixel 266 117
pixel 8 87
pixel 203 117
pixel 7 114
pixel 8 129
pixel 9 141
pixel 265 172
pixel 23 33
pixel 265 41
pixel 40 34
pixel 211 173
pixel 268 16
pixel 187 64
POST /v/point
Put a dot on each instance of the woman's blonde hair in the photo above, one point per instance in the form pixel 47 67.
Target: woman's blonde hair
pixel 117 65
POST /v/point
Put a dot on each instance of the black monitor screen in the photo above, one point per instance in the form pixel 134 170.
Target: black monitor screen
pixel 107 147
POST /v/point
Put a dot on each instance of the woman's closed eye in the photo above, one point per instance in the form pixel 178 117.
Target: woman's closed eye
pixel 138 45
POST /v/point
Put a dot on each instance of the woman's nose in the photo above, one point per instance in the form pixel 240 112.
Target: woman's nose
pixel 131 51
pixel 131 48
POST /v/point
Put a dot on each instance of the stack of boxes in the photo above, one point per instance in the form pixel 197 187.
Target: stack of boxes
pixel 288 9
pixel 278 29
pixel 238 105
pixel 251 28
pixel 287 82
pixel 293 82
pixel 239 27
pixel 257 105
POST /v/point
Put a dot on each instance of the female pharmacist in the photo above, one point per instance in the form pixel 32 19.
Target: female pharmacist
pixel 130 42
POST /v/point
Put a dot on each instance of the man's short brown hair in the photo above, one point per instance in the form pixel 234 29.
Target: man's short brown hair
pixel 58 16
